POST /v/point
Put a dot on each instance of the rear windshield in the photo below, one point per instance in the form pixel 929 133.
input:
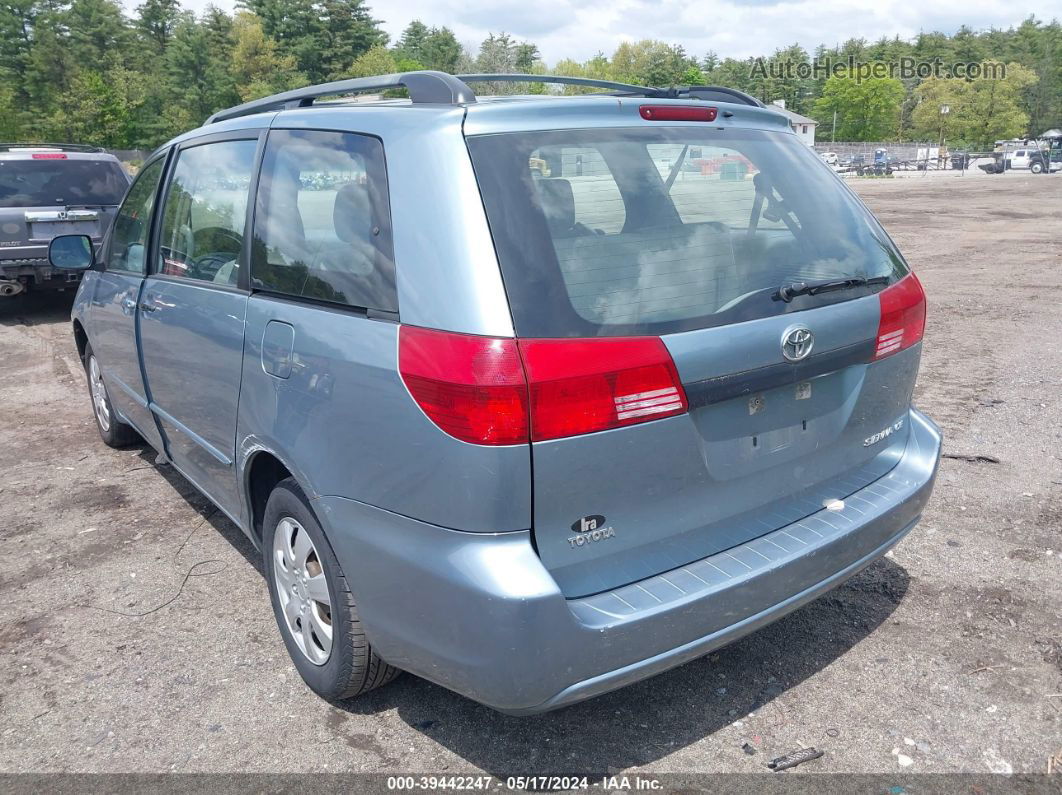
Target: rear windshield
pixel 653 231
pixel 48 183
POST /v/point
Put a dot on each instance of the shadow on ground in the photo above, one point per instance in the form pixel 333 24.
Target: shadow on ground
pixel 649 720
pixel 204 507
pixel 33 309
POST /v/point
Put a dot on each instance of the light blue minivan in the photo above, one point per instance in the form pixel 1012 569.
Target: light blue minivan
pixel 532 396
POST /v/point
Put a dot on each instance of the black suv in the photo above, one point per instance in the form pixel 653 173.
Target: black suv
pixel 48 190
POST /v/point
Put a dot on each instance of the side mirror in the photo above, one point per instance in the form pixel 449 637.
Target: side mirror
pixel 71 252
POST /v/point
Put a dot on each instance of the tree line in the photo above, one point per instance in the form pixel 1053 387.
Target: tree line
pixel 84 71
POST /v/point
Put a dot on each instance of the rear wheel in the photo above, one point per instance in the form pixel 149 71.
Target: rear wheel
pixel 1036 168
pixel 113 431
pixel 313 604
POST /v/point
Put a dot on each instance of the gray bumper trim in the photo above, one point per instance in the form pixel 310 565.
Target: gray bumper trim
pixel 479 614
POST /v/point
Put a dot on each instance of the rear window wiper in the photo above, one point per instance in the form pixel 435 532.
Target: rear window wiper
pixel 787 292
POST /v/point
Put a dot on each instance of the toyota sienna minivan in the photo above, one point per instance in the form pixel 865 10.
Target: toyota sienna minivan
pixel 533 397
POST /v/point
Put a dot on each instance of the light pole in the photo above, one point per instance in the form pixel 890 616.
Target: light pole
pixel 944 111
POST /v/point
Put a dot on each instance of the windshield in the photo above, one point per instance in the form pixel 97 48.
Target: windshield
pixel 651 231
pixel 65 183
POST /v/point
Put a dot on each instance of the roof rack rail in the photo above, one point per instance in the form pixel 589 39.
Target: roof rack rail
pixel 709 93
pixel 446 89
pixel 719 94
pixel 626 88
pixel 10 146
pixel 423 86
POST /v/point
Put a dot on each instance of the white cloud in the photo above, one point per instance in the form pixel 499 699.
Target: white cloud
pixel 737 28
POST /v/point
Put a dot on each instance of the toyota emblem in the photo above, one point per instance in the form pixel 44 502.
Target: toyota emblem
pixel 797 342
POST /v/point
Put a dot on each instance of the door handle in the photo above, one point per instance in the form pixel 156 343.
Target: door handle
pixel 128 304
pixel 149 306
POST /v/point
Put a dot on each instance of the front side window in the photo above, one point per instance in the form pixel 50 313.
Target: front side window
pixel 129 236
pixel 322 224
pixel 206 209
pixel 658 230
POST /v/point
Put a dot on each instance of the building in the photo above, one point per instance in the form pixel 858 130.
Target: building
pixel 802 125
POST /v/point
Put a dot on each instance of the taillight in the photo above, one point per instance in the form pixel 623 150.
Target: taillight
pixel 586 385
pixel 493 391
pixel 903 316
pixel 678 112
pixel 48 156
pixel 471 387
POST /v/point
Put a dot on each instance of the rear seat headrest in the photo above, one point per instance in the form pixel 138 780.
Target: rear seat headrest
pixel 558 202
pixel 352 213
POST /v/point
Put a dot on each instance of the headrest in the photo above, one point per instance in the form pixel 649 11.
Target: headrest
pixel 352 213
pixel 558 202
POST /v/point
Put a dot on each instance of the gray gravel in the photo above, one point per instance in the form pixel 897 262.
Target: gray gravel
pixel 945 656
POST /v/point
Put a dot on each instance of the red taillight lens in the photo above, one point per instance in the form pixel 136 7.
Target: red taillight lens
pixel 471 387
pixel 587 385
pixel 678 113
pixel 48 156
pixel 903 316
pixel 475 388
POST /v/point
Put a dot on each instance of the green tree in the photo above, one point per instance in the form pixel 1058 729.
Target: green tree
pixel 99 108
pixel 867 109
pixel 412 42
pixel 441 50
pixel 156 21
pixel 97 33
pixel 376 61
pixel 199 78
pixel 257 68
pixel 347 31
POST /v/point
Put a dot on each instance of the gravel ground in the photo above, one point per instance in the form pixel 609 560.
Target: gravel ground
pixel 136 633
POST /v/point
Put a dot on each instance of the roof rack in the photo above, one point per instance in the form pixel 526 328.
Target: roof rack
pixel 423 87
pixel 625 88
pixel 709 93
pixel 446 89
pixel 9 147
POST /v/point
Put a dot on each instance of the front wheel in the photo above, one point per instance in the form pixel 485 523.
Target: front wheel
pixel 313 604
pixel 113 431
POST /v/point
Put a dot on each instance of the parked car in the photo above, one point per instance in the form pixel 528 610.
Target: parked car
pixel 48 190
pixel 531 436
pixel 1019 159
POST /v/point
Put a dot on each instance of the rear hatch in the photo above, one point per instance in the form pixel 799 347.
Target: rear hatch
pixel 719 339
pixel 46 194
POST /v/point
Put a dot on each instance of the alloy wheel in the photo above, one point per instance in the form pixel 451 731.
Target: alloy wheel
pixel 303 590
pixel 99 395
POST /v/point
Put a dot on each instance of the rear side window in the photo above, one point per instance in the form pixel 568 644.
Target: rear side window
pixel 206 211
pixel 322 224
pixel 133 222
pixel 667 229
pixel 60 182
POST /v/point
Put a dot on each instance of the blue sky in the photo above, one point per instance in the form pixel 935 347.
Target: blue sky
pixel 736 28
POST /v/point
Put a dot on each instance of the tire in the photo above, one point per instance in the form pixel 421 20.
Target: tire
pixel 113 431
pixel 1036 168
pixel 349 667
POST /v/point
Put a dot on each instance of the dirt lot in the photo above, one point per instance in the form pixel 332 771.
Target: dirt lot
pixel 136 633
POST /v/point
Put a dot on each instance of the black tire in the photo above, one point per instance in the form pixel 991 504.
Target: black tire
pixel 116 434
pixel 1036 168
pixel 352 667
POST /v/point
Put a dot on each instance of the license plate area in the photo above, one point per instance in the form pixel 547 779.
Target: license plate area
pixel 46 230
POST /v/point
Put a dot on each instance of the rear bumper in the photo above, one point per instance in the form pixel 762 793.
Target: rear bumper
pixel 34 270
pixel 479 614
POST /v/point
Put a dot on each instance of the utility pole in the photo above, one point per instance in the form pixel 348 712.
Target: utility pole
pixel 833 135
pixel 944 111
